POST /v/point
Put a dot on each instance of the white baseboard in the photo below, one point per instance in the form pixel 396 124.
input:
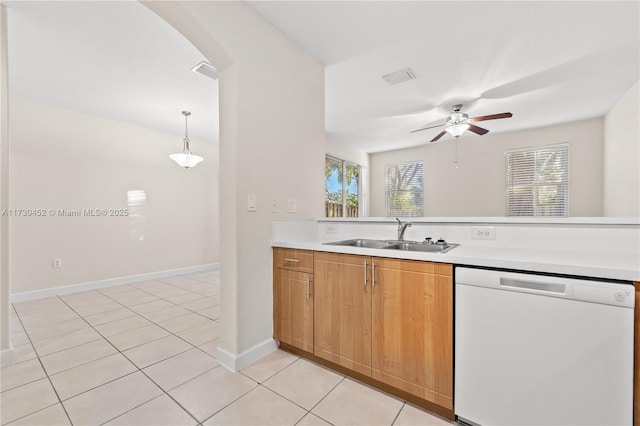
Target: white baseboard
pixel 6 356
pixel 238 362
pixel 92 285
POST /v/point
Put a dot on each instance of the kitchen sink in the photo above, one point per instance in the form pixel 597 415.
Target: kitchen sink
pixel 428 248
pixel 397 245
pixel 361 243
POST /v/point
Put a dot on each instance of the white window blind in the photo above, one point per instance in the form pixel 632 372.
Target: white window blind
pixel 537 181
pixel 405 189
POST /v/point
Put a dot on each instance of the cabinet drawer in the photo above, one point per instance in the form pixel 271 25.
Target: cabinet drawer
pixel 293 259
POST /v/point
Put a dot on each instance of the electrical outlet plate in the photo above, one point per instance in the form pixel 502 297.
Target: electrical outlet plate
pixel 57 263
pixel 483 232
pixel 331 228
pixel 292 205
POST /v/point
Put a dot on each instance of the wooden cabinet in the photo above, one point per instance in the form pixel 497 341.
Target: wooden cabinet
pixel 293 297
pixel 389 319
pixel 342 309
pixel 412 322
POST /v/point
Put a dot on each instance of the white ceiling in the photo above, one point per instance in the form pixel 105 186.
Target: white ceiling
pixel 114 59
pixel 546 62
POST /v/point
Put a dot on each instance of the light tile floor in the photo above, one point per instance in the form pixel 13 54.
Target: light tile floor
pixel 144 354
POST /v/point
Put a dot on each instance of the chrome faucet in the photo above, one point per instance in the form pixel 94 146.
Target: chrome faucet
pixel 401 228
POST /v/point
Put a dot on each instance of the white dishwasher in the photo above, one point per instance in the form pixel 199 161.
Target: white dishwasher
pixel 542 350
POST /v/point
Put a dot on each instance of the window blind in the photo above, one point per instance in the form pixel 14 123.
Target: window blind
pixel 537 181
pixel 404 189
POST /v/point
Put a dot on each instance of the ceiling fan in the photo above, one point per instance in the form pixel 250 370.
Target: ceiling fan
pixel 458 122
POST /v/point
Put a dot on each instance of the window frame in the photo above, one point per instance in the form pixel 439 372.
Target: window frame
pixel 562 185
pixel 387 191
pixel 345 163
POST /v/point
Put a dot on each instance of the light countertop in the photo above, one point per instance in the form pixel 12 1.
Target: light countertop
pixel 586 264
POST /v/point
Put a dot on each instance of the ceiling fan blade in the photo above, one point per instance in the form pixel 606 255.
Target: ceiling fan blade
pixel 477 130
pixel 491 117
pixel 441 134
pixel 430 127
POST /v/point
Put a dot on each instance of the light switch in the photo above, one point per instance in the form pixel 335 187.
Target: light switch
pixel 251 203
pixel 292 205
pixel 274 206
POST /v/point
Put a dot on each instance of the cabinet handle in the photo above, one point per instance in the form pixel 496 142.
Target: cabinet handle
pixel 373 273
pixel 365 273
pixel 308 287
pixel 286 259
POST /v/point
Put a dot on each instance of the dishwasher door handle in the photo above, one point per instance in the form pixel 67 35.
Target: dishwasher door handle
pixel 535 286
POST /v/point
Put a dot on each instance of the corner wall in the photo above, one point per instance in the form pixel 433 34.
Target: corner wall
pixel 622 156
pixel 272 146
pixel 477 187
pixel 65 161
pixel 6 354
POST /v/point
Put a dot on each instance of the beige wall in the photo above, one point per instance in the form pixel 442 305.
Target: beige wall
pixel 272 145
pixel 622 156
pixel 477 186
pixel 5 342
pixel 65 159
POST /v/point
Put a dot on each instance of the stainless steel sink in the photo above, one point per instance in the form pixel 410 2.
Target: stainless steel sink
pixel 429 248
pixel 361 243
pixel 396 245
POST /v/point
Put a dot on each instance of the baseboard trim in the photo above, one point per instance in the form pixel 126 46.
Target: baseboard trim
pixel 236 363
pixel 92 285
pixel 6 356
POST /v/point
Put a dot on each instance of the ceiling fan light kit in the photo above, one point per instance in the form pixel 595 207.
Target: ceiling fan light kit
pixel 185 158
pixel 458 122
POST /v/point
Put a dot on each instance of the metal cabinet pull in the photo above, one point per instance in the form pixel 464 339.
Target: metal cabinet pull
pixel 286 259
pixel 308 287
pixel 365 273
pixel 373 273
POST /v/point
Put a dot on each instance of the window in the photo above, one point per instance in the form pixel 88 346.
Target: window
pixel 404 189
pixel 537 181
pixel 341 188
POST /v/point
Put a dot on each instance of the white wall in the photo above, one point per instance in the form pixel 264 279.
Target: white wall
pixel 272 145
pixel 477 186
pixel 5 342
pixel 65 159
pixel 622 156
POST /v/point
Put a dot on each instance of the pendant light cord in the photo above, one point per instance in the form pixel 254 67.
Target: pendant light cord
pixel 186 132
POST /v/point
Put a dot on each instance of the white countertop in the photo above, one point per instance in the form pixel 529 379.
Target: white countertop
pixel 587 264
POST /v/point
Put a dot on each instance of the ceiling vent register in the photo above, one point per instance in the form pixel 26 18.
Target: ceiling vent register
pixel 399 76
pixel 206 69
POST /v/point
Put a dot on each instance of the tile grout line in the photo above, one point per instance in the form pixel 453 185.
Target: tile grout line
pixel 80 316
pixel 141 370
pixel 395 419
pixel 55 391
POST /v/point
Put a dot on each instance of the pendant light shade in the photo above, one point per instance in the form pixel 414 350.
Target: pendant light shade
pixel 185 158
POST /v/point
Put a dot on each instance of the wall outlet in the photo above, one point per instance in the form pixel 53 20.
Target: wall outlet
pixel 57 263
pixel 331 228
pixel 292 205
pixel 483 232
pixel 251 203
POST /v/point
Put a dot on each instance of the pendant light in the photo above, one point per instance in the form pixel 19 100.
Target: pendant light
pixel 186 159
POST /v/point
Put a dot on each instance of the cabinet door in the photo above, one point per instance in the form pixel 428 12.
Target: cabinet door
pixel 413 328
pixel 293 308
pixel 342 310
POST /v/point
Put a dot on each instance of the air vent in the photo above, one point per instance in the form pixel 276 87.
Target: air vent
pixel 399 76
pixel 207 69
